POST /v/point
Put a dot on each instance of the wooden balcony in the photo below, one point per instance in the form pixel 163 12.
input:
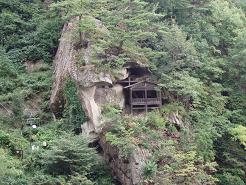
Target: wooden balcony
pixel 146 101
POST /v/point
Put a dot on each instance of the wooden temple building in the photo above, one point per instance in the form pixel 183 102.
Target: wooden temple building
pixel 144 96
pixel 141 93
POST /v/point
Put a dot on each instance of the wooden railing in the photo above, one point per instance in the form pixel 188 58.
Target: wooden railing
pixel 142 101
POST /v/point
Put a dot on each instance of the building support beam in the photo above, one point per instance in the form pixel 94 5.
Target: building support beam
pixel 146 103
pixel 131 101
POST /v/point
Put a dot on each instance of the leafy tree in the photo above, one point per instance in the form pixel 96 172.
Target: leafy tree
pixel 71 9
pixel 70 156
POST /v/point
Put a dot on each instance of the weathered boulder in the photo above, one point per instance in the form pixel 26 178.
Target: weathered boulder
pixel 96 88
pixel 128 171
pixel 62 64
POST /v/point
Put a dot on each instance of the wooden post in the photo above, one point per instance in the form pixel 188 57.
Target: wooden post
pixel 146 99
pixel 131 100
pixel 159 98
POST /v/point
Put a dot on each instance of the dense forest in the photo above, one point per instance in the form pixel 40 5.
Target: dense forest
pixel 196 49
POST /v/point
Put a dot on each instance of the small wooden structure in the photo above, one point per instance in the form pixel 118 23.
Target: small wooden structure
pixel 144 96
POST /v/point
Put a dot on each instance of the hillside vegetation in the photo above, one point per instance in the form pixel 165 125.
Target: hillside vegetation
pixel 195 49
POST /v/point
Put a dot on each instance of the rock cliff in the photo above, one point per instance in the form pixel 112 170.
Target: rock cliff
pixel 95 88
pixel 127 171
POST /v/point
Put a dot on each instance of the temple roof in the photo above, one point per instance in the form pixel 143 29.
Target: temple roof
pixel 143 85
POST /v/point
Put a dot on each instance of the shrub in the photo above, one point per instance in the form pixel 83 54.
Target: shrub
pixel 122 142
pixel 230 179
pixel 12 141
pixel 43 179
pixel 5 140
pixel 150 169
pixel 155 120
pixel 79 179
pixel 10 171
pixel 110 111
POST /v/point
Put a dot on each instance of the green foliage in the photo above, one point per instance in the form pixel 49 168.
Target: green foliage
pixel 110 111
pixel 43 179
pixel 8 73
pixel 12 141
pixel 124 143
pixel 121 136
pixel 46 133
pixel 88 26
pixel 69 156
pixel 28 31
pixel 229 179
pixel 176 166
pixel 5 140
pixel 231 159
pixel 150 169
pixel 79 179
pixel 239 133
pixel 73 112
pixel 127 132
pixel 155 120
pixel 10 170
pixel 196 49
pixel 68 9
pixel 115 45
pixel 16 84
pixel 173 107
pixel 197 76
pixel 17 111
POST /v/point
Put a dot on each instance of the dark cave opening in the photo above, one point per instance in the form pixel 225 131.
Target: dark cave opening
pixel 96 145
pixel 138 71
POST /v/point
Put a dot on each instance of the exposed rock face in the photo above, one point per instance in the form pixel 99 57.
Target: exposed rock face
pixel 95 88
pixel 175 118
pixel 127 171
pixel 62 64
